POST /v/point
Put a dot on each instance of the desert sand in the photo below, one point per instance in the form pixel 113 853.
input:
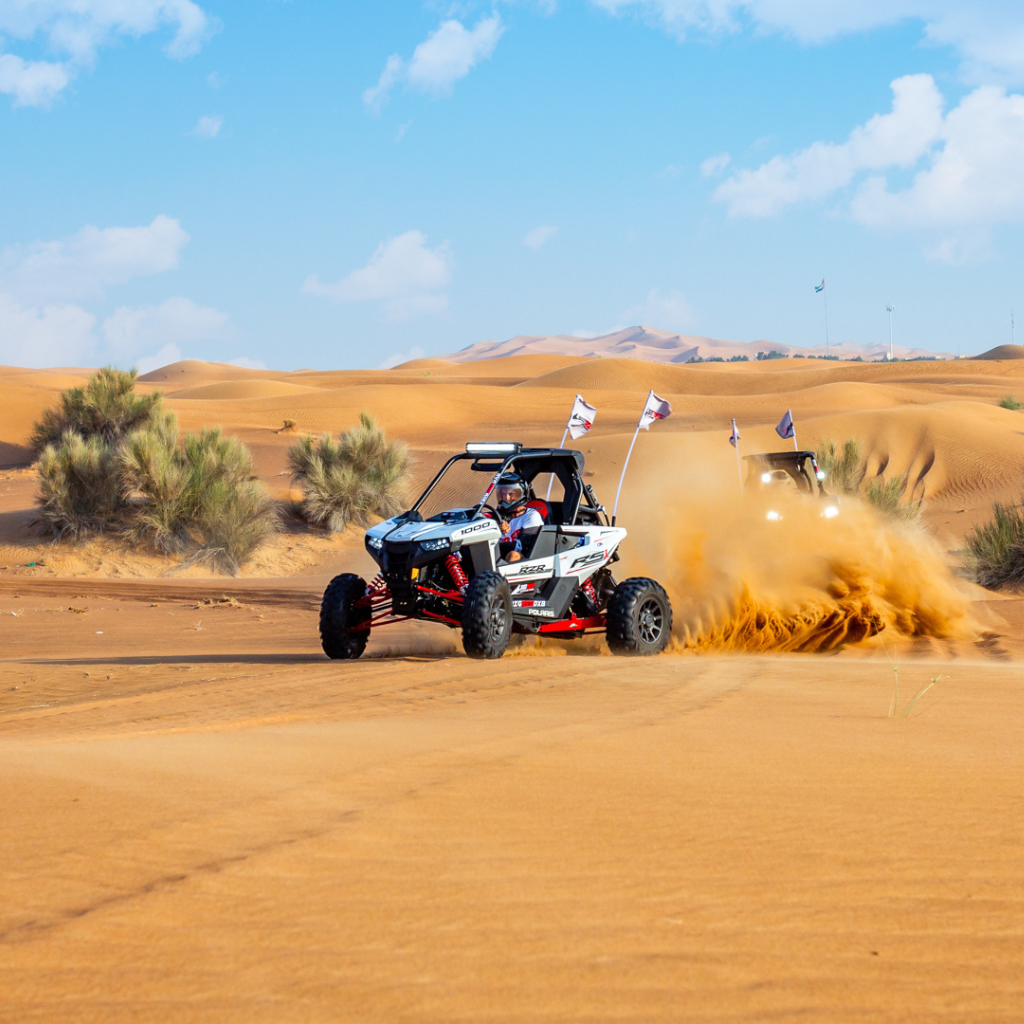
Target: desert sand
pixel 206 820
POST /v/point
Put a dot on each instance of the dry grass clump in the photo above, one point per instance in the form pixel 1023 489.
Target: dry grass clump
pixel 1009 402
pixel 995 550
pixel 79 489
pixel 886 496
pixel 195 496
pixel 842 465
pixel 107 407
pixel 360 476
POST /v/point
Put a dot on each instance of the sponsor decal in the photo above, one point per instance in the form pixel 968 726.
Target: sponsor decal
pixel 524 588
pixel 544 614
pixel 529 604
pixel 472 529
pixel 595 556
pixel 530 570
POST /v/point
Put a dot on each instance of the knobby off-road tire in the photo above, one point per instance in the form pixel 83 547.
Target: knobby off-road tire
pixel 338 616
pixel 639 618
pixel 487 616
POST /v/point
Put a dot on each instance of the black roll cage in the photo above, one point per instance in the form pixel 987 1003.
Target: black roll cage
pixel 565 463
pixel 792 463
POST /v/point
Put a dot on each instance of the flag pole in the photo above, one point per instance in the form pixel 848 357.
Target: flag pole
pixel 636 434
pixel 796 447
pixel 825 292
pixel 739 463
pixel 551 482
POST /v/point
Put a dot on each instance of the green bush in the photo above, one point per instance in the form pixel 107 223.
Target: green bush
pixel 361 476
pixel 843 467
pixel 198 496
pixel 79 487
pixel 1009 402
pixel 887 498
pixel 107 407
pixel 995 550
pixel 118 465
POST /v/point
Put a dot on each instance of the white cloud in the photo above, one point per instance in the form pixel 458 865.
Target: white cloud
pixel 974 179
pixel 167 355
pixel 77 29
pixel 897 139
pixel 32 83
pixel 714 165
pixel 128 330
pixel 445 56
pixel 967 169
pixel 538 236
pixel 208 126
pixel 988 34
pixel 56 335
pixel 403 274
pixel 86 263
pixel 402 357
pixel 668 312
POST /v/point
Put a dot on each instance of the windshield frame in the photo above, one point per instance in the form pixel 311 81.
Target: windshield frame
pixel 448 465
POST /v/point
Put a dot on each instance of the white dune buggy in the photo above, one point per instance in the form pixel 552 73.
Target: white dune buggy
pixel 442 561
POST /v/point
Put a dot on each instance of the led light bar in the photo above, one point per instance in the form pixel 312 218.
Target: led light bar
pixel 493 448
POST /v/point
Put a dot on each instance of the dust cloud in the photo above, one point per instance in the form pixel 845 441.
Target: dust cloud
pixel 743 582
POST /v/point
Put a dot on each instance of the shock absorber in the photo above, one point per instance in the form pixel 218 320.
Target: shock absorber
pixel 588 589
pixel 377 586
pixel 458 574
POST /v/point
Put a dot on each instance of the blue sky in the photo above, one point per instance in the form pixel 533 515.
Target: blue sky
pixel 340 184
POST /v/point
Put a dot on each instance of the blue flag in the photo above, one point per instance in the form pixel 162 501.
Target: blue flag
pixel 820 287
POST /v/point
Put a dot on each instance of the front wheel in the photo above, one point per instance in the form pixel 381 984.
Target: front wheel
pixel 487 616
pixel 341 619
pixel 639 618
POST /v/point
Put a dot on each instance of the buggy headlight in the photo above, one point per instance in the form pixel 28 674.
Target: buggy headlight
pixel 375 542
pixel 766 478
pixel 435 545
pixel 774 516
pixel 830 511
pixel 820 474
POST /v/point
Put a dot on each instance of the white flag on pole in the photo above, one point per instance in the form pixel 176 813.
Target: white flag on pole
pixel 785 429
pixel 734 437
pixel 655 409
pixel 582 418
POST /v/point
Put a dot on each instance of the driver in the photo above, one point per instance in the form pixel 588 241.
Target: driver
pixel 512 494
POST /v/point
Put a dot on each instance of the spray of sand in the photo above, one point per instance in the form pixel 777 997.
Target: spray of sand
pixel 741 581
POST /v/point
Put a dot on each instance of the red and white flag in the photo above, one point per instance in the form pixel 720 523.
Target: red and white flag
pixel 785 428
pixel 581 419
pixel 734 437
pixel 655 409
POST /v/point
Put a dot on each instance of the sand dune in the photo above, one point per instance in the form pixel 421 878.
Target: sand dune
pixel 652 344
pixel 206 820
pixel 193 373
pixel 239 390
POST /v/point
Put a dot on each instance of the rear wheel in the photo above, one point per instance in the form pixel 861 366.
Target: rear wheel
pixel 639 618
pixel 340 618
pixel 486 616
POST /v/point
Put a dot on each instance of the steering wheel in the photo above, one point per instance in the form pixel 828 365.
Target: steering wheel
pixel 493 512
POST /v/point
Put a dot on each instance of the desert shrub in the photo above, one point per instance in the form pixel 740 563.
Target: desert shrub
pixel 843 466
pixel 886 496
pixel 199 495
pixel 107 407
pixel 79 487
pixel 361 476
pixel 1009 402
pixel 117 465
pixel 995 550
